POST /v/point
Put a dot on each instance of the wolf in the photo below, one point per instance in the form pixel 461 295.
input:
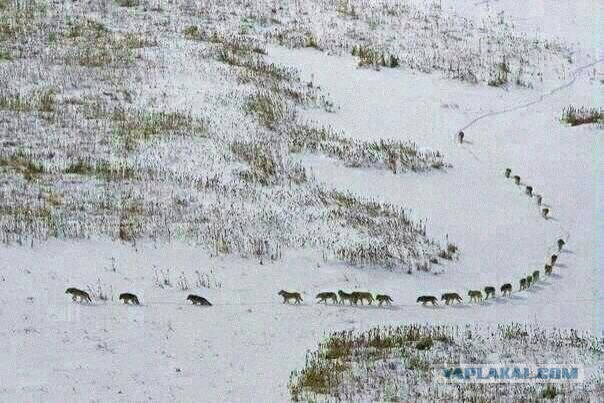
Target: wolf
pixel 475 295
pixel 529 191
pixel 129 298
pixel 76 293
pixel 460 136
pixel 506 289
pixel 287 296
pixel 324 296
pixel 553 259
pixel 383 299
pixel 529 281
pixel 424 299
pixel 545 212
pixel 360 296
pixel 507 172
pixel 561 244
pixel 449 297
pixel 539 200
pixel 522 284
pixel 517 179
pixel 197 300
pixel 344 296
pixel 548 269
pixel 535 276
pixel 489 291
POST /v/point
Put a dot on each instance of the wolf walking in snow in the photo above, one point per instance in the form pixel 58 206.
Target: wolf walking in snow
pixel 424 299
pixel 535 276
pixel 361 296
pixel 522 284
pixel 561 244
pixel 475 295
pixel 460 136
pixel 507 172
pixel 489 291
pixel 344 296
pixel 517 179
pixel 129 298
pixel 545 212
pixel 529 191
pixel 383 299
pixel 506 289
pixel 76 293
pixel 324 296
pixel 197 300
pixel 548 269
pixel 450 297
pixel 288 296
pixel 553 259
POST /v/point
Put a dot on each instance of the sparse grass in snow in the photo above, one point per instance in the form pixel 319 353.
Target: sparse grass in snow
pixel 396 363
pixel 373 58
pixel 91 155
pixel 393 155
pixel 431 39
pixel 580 116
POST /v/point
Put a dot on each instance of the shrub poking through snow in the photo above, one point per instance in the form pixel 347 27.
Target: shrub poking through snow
pixel 99 293
pixel 374 58
pixel 499 75
pixel 450 252
pixel 580 116
pixel 192 32
pixel 397 363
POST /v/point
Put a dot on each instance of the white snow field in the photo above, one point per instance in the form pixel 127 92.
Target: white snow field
pixel 243 348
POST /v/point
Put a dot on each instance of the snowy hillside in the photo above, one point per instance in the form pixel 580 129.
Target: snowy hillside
pixel 233 149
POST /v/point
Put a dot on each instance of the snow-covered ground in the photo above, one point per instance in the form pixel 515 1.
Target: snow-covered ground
pixel 498 228
pixel 243 348
pixel 573 21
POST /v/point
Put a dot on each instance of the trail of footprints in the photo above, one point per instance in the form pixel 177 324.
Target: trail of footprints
pixel 355 297
pixel 506 289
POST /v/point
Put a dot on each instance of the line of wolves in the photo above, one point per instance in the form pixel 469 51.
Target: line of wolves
pixel 128 298
pixel 341 297
pixel 508 172
pixel 529 192
pixel 475 295
pixel 355 297
pixel 506 289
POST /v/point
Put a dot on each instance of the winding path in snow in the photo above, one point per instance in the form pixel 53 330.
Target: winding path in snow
pixel 499 229
pixel 575 73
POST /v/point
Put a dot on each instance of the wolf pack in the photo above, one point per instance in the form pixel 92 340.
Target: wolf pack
pixel 362 297
pixel 529 191
pixel 78 295
pixel 341 297
pixel 475 296
pixel 506 289
pixel 490 291
pixel 356 297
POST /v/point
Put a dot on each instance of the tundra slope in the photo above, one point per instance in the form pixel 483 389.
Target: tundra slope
pixel 95 146
pixel 55 350
pixel 499 228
